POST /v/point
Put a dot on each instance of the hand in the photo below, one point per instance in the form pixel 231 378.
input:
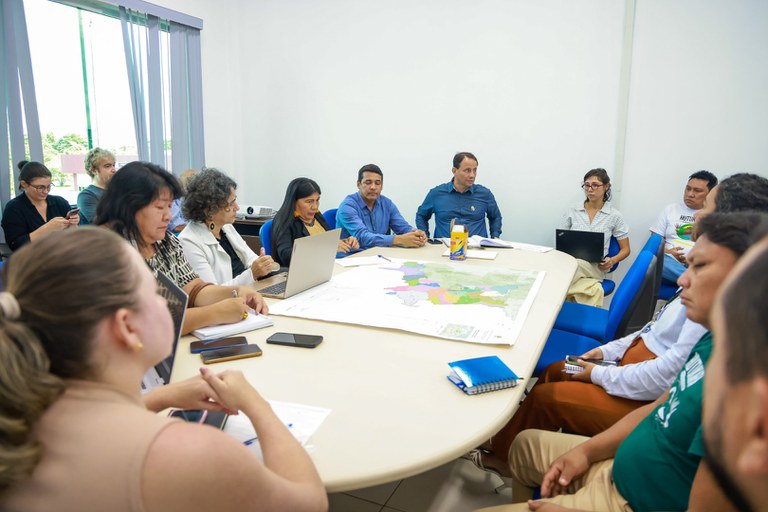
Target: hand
pixel 74 220
pixel 231 310
pixel 233 390
pixel 348 244
pixel 194 393
pixel 586 374
pixel 566 468
pixel 253 299
pixel 606 264
pixel 262 265
pixel 55 224
pixel 545 506
pixel 595 353
pixel 677 253
pixel 415 238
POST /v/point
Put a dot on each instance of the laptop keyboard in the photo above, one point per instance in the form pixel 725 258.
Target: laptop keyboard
pixel 275 289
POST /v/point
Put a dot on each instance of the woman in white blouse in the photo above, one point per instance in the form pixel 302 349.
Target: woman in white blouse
pixel 211 244
pixel 596 214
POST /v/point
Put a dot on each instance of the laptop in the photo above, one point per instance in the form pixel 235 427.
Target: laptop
pixel 311 264
pixel 584 245
pixel 177 299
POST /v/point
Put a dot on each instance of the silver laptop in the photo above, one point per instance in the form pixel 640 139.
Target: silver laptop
pixel 177 299
pixel 311 264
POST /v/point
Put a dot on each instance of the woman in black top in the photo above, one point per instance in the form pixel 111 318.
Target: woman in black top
pixel 34 212
pixel 299 216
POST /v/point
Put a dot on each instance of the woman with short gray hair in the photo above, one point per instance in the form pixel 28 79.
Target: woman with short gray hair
pixel 211 244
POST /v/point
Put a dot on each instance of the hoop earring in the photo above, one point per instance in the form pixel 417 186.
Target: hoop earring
pixel 212 226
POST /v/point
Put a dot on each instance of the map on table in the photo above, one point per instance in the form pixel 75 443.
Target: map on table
pixel 459 301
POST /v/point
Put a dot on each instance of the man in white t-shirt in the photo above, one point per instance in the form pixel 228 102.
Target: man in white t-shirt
pixel 676 222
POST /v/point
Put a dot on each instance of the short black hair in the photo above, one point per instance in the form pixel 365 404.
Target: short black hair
pixel 132 188
pixel 707 176
pixel 742 192
pixel 207 192
pixel 459 157
pixel 369 168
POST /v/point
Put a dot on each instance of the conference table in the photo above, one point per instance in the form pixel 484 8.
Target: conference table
pixel 394 413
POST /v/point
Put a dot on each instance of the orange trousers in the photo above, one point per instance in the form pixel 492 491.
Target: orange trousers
pixel 557 402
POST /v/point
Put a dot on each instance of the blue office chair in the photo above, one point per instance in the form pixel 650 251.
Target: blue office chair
pixel 646 304
pixel 608 284
pixel 597 324
pixel 604 325
pixel 265 234
pixel 330 217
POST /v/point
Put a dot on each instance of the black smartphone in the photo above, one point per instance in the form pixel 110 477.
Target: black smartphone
pixel 434 241
pixel 72 213
pixel 230 354
pixel 201 346
pixel 295 340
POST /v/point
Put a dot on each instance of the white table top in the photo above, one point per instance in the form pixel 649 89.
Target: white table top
pixel 394 413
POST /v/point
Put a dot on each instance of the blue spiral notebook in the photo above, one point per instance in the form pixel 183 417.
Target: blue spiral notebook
pixel 481 375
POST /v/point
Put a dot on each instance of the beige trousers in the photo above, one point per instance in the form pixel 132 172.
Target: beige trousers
pixel 534 451
pixel 586 287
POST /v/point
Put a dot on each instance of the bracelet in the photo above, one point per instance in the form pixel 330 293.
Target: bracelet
pixel 194 293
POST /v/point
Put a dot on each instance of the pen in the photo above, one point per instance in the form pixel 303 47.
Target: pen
pixel 236 294
pixel 384 258
pixel 250 441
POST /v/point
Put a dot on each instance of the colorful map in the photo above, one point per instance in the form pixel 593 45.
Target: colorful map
pixel 476 303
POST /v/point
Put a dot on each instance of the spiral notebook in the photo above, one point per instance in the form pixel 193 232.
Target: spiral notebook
pixel 481 375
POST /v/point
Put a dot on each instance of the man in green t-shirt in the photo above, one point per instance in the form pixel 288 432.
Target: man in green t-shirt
pixel 648 460
pixel 736 389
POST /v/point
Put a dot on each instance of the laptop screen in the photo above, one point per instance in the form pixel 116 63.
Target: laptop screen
pixel 177 305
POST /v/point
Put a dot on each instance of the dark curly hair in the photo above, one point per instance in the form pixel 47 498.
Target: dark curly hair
pixel 207 192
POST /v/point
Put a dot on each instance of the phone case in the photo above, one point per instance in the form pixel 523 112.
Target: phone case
pixel 230 354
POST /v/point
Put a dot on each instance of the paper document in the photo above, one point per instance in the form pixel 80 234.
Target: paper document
pixel 302 420
pixel 254 321
pixel 363 260
pixel 476 241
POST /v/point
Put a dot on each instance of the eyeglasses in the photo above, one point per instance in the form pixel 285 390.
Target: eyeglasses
pixel 42 188
pixel 587 186
pixel 232 202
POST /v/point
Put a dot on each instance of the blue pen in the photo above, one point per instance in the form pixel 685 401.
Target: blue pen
pixel 384 258
pixel 250 441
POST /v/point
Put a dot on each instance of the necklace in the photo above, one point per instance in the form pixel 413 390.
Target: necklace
pixel 310 223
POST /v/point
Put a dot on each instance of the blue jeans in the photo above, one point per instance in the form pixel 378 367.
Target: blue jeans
pixel 672 269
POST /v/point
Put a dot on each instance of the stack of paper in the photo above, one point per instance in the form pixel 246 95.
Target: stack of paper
pixel 252 322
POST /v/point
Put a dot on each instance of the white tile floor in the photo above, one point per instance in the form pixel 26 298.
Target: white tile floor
pixel 453 487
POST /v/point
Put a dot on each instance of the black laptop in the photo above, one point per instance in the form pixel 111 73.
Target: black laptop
pixel 583 245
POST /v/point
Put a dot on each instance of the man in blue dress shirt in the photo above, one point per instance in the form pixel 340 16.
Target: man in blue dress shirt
pixel 372 218
pixel 460 199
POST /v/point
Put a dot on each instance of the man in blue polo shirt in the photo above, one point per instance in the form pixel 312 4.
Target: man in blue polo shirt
pixel 460 199
pixel 373 218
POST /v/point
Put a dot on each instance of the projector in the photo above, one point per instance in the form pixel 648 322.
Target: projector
pixel 250 211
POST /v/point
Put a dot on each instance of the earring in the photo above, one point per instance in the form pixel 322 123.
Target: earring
pixel 296 214
pixel 212 226
pixel 138 347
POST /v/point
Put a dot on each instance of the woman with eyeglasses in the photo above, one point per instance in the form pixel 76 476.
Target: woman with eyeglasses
pixel 211 244
pixel 300 216
pixel 137 206
pixel 35 212
pixel 81 322
pixel 596 214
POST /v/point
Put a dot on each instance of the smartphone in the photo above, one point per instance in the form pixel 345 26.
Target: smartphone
pixel 72 213
pixel 215 419
pixel 230 354
pixel 201 346
pixel 190 415
pixel 434 241
pixel 601 362
pixel 295 340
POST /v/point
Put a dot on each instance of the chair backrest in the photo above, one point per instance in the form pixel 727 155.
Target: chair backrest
pixel 265 235
pixel 627 296
pixel 330 217
pixel 655 245
pixel 613 250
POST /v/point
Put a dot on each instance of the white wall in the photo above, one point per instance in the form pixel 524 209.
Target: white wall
pixel 532 87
